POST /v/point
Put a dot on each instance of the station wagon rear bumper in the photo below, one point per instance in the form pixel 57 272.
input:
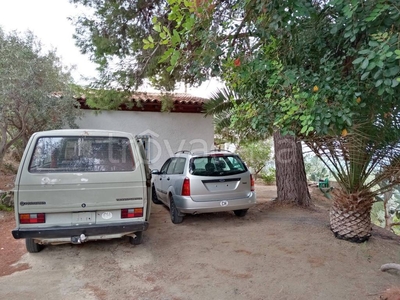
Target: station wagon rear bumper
pixel 185 204
pixel 69 231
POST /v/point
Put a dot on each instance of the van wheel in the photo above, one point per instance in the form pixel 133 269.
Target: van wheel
pixel 154 197
pixel 240 212
pixel 33 247
pixel 176 216
pixel 138 239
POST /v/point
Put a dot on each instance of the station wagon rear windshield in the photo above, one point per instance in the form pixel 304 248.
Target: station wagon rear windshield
pixel 82 154
pixel 217 165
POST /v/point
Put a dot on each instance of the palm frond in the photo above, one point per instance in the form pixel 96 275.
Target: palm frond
pixel 367 159
pixel 221 101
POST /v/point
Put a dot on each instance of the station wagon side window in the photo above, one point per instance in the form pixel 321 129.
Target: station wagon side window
pixel 165 166
pixel 180 165
pixel 171 166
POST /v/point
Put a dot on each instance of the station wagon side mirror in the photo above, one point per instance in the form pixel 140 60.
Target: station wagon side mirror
pixel 155 172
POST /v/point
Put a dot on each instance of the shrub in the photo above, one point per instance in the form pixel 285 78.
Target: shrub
pixel 268 177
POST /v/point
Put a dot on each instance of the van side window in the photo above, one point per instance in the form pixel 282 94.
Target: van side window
pixel 82 154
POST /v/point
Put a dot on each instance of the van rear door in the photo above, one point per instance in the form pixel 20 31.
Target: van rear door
pixel 77 180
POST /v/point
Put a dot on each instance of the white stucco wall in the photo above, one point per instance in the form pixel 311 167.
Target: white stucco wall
pixel 170 132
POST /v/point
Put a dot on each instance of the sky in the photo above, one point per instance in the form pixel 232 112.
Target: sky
pixel 48 20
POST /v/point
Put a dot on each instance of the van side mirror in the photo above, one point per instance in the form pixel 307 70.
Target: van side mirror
pixel 155 172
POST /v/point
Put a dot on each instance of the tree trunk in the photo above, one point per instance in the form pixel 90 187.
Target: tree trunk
pixel 291 180
pixel 2 153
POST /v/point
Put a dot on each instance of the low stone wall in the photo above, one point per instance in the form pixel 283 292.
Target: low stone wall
pixel 7 198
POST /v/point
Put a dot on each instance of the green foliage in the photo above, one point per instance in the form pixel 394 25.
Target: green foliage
pixel 36 91
pixel 313 66
pixel 315 168
pixel 256 154
pixel 226 107
pixel 5 208
pixel 123 38
pixel 106 99
pixel 167 103
pixel 392 199
pixel 268 176
pixel 323 71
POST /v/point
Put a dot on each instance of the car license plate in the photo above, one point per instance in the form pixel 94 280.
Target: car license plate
pixel 83 218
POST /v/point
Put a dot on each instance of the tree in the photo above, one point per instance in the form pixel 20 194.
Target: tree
pixel 146 38
pixel 325 70
pixel 119 37
pixel 36 92
pixel 322 71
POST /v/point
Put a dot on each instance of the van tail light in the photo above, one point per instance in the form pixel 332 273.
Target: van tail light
pixel 131 213
pixel 252 183
pixel 32 218
pixel 186 187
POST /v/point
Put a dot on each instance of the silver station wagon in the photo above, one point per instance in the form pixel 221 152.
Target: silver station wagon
pixel 192 183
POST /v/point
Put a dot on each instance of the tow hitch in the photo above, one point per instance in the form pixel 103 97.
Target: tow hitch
pixel 78 239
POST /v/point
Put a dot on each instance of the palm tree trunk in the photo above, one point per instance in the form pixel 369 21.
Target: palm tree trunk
pixel 350 216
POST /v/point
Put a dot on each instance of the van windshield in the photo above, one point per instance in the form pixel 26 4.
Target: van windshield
pixel 217 165
pixel 82 154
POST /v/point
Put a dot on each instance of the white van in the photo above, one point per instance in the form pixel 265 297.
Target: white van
pixel 80 185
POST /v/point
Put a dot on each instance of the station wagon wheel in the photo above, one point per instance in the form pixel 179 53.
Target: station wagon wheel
pixel 33 247
pixel 240 212
pixel 154 197
pixel 138 239
pixel 176 217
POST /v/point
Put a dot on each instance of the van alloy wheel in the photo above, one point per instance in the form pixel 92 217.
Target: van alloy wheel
pixel 176 216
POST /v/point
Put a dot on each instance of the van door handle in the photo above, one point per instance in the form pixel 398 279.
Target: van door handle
pixel 167 178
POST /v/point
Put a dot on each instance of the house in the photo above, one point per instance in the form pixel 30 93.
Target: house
pixel 183 127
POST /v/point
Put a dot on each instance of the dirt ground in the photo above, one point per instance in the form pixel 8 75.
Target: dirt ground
pixel 273 252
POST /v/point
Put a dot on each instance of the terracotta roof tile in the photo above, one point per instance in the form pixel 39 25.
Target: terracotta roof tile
pixel 152 102
pixel 177 97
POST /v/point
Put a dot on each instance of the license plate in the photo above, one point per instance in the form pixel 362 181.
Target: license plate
pixel 221 186
pixel 83 218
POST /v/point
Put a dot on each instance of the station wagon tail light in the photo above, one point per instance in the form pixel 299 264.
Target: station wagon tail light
pixel 32 218
pixel 186 187
pixel 251 183
pixel 131 213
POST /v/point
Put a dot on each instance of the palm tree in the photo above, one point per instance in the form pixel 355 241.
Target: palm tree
pixel 366 164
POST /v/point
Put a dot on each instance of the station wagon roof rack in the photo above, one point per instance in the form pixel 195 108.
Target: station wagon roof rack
pixel 220 150
pixel 183 151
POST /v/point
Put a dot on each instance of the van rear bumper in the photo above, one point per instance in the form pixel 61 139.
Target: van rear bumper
pixel 68 231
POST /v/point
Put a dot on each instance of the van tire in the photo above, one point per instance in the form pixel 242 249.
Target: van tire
pixel 240 212
pixel 33 247
pixel 154 197
pixel 138 239
pixel 176 216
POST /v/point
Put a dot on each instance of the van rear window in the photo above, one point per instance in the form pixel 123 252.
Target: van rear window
pixel 82 154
